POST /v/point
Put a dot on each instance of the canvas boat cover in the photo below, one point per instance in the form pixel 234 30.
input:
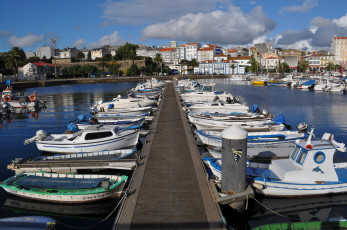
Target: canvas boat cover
pixel 38 182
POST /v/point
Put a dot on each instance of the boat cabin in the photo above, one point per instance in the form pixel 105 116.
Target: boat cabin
pixel 310 161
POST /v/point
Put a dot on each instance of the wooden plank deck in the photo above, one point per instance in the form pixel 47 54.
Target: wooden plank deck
pixel 169 189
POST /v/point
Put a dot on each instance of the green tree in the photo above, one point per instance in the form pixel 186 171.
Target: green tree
pixel 44 59
pixel 133 70
pixel 89 56
pixel 103 63
pixel 108 57
pixel 15 58
pixel 126 52
pixel 254 65
pixel 158 60
pixel 113 67
pixel 330 66
pixel 80 55
pixel 303 66
pixel 232 66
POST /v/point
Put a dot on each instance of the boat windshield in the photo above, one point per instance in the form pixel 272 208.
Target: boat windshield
pixel 295 152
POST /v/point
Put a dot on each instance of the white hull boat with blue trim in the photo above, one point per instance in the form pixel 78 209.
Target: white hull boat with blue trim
pixel 219 107
pixel 261 125
pixel 310 170
pixel 129 111
pixel 91 139
pixel 124 103
pixel 214 138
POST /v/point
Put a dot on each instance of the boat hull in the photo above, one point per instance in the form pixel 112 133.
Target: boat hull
pixel 118 142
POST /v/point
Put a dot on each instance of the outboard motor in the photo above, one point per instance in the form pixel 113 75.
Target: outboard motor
pixel 265 112
pixel 216 99
pixel 302 127
pixel 229 101
pixel 72 127
pixel 110 106
pixel 81 118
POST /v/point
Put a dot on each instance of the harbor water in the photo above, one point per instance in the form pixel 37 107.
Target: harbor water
pixel 324 111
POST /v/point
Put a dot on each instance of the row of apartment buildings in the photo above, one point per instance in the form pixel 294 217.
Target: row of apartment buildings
pixel 214 59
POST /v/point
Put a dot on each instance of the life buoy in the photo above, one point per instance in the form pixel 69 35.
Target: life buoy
pixel 32 98
pixel 7 98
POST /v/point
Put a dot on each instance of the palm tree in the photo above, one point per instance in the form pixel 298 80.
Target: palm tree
pixel 254 65
pixel 232 66
pixel 329 66
pixel 113 67
pixel 102 64
pixel 12 62
pixel 159 60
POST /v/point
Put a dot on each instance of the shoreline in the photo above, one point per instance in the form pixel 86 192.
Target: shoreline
pixel 54 82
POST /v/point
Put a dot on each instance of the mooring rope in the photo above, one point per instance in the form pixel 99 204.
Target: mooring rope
pixel 92 226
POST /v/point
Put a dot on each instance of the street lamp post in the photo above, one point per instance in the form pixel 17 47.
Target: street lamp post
pixel 55 60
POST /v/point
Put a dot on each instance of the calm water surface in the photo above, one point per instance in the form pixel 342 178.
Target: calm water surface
pixel 326 112
pixel 64 104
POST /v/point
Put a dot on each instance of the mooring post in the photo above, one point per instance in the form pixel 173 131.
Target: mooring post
pixel 234 156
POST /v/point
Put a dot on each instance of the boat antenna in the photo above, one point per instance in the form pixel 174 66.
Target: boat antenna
pixel 309 139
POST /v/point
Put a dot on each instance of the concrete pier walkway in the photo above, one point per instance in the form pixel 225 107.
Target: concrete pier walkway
pixel 169 188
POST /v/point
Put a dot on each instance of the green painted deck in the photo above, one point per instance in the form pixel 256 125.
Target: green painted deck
pixel 170 189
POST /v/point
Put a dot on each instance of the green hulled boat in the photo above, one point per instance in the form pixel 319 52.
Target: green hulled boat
pixel 326 225
pixel 65 188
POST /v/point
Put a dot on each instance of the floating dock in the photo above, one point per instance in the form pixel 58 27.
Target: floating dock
pixel 170 188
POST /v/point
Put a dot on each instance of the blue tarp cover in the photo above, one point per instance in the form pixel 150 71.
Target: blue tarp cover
pixel 32 181
pixel 309 82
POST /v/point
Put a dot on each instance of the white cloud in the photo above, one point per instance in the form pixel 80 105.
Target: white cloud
pixel 5 33
pixel 253 2
pixel 152 11
pixel 341 22
pixel 79 43
pixel 219 27
pixel 24 42
pixel 317 37
pixel 306 6
pixel 113 40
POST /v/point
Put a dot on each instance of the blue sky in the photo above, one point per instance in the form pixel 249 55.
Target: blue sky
pixel 302 24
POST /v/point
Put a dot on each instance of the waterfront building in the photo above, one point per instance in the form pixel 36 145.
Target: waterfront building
pixel 313 62
pixel 221 65
pixel 68 53
pixel 269 60
pixel 169 55
pixel 99 53
pixel 147 52
pixel 293 53
pixel 339 49
pixel 44 51
pixel 206 53
pixel 241 60
pixel 188 51
pixel 37 70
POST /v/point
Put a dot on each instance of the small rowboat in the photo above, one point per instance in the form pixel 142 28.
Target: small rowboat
pixel 63 187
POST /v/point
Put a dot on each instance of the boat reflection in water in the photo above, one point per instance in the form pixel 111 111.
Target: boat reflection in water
pixel 95 210
pixel 299 210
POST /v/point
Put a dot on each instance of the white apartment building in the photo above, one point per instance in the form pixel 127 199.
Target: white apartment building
pixel 339 49
pixel 205 53
pixel 99 53
pixel 44 51
pixel 269 60
pixel 147 52
pixel 169 55
pixel 188 51
pixel 68 53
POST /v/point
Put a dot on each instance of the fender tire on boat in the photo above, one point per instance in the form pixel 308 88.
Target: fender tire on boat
pixel 32 98
pixel 7 98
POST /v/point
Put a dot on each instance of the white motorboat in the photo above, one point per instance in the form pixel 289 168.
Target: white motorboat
pixel 255 125
pixel 309 171
pixel 206 94
pixel 21 99
pixel 127 111
pixel 91 139
pixel 214 138
pixel 219 107
pixel 124 103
